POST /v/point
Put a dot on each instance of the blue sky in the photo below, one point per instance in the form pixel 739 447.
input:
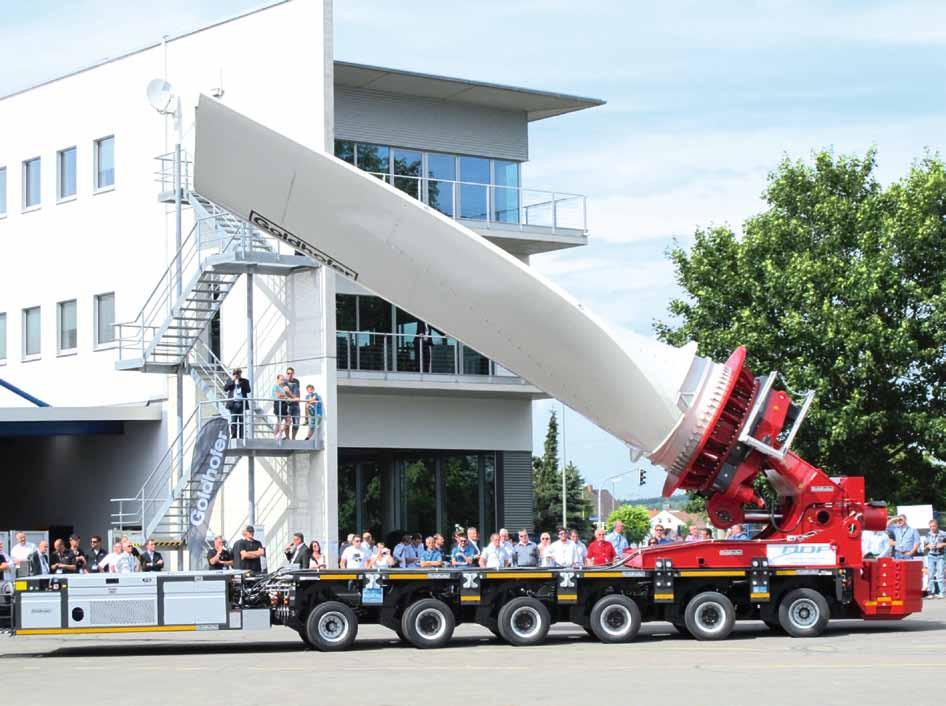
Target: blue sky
pixel 704 98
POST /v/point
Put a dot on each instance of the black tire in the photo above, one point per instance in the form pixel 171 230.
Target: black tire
pixel 615 619
pixel 428 623
pixel 306 640
pixel 710 616
pixel 804 613
pixel 524 621
pixel 331 627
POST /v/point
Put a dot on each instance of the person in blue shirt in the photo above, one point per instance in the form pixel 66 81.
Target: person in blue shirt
pixel 313 410
pixel 430 555
pixel 617 538
pixel 737 532
pixel 405 555
pixel 463 554
pixel 905 539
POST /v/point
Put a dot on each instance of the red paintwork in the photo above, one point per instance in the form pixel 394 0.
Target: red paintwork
pixel 888 589
pixel 814 508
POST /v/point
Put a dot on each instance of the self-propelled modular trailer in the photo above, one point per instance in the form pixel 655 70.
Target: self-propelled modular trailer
pixel 716 428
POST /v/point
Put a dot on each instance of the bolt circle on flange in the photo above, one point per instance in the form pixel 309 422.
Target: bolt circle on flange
pixel 333 627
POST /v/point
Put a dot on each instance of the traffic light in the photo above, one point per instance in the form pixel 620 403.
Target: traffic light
pixel 643 476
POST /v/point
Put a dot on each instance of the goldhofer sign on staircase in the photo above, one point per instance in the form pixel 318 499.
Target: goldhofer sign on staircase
pixel 207 473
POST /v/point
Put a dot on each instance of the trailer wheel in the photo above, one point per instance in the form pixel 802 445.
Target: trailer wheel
pixel 804 613
pixel 615 618
pixel 428 623
pixel 710 616
pixel 331 626
pixel 524 621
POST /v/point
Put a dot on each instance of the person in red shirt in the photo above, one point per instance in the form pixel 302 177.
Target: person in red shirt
pixel 600 551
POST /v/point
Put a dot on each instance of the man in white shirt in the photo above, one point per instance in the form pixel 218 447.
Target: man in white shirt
pixel 581 551
pixel 22 550
pixel 354 556
pixel 127 562
pixel 110 563
pixel 504 539
pixel 495 555
pixel 563 551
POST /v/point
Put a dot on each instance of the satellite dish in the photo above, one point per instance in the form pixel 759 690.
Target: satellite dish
pixel 160 95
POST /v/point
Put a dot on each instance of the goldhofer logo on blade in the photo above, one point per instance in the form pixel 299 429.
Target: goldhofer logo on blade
pixel 296 243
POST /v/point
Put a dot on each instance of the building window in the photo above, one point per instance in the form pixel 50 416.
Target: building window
pixel 32 333
pixel 374 158
pixel 345 150
pixel 67 330
pixel 505 191
pixel 474 181
pixel 31 183
pixel 66 174
pixel 3 337
pixel 441 175
pixel 104 163
pixel 3 191
pixel 104 319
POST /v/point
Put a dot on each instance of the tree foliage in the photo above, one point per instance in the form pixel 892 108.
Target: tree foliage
pixel 547 487
pixel 636 521
pixel 839 285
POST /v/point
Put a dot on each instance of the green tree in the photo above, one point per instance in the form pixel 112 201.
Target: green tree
pixel 547 487
pixel 636 521
pixel 839 285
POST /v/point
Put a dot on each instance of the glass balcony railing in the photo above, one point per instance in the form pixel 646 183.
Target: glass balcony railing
pixel 408 353
pixel 491 203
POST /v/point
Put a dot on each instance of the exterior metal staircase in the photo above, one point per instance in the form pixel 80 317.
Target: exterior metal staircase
pixel 169 335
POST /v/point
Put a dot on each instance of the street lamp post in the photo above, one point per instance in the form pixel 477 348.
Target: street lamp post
pixel 612 480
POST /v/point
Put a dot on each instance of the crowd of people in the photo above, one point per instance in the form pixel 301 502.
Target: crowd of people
pixel 414 551
pixel 68 557
pixel 289 403
pixel 499 551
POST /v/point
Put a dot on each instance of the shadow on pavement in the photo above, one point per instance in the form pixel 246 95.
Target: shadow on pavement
pixel 650 633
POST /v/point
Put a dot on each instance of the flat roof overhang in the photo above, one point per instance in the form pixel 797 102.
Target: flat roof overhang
pixel 537 105
pixel 73 421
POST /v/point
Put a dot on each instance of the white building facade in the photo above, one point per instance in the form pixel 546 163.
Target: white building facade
pixel 420 432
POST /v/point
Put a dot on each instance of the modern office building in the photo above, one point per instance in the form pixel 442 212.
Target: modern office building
pixel 126 299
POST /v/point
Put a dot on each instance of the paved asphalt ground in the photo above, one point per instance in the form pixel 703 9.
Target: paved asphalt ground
pixel 862 664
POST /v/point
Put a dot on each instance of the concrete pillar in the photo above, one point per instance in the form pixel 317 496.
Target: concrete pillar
pixel 313 477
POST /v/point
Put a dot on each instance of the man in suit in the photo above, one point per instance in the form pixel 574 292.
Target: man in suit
pixel 39 560
pixel 151 560
pixel 96 555
pixel 297 552
pixel 238 394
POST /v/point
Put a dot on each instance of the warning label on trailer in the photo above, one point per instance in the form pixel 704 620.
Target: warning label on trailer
pixel 801 555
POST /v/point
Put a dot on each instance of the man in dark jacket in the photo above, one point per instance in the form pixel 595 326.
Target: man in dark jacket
pixel 238 393
pixel 151 560
pixel 297 552
pixel 39 560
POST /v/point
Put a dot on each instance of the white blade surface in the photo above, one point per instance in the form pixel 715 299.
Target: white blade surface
pixel 440 271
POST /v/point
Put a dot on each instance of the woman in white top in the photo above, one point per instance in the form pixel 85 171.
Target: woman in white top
pixel 545 545
pixel 382 559
pixel 316 560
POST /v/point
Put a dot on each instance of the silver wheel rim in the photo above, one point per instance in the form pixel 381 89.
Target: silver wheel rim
pixel 710 617
pixel 333 627
pixel 615 620
pixel 804 613
pixel 525 622
pixel 430 624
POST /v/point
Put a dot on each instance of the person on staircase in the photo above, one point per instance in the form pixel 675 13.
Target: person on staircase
pixel 280 394
pixel 238 394
pixel 292 382
pixel 313 410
